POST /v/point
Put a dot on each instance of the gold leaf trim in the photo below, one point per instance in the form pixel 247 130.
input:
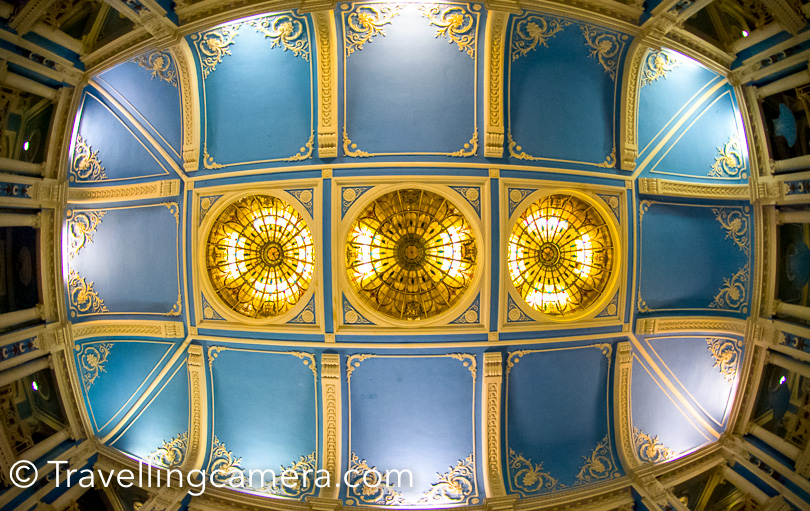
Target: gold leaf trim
pixel 529 477
pixel 470 148
pixel 91 361
pixel 649 449
pixel 599 465
pixel 735 223
pixel 366 22
pixel 214 45
pixel 86 165
pixel 733 293
pixel 223 466
pixel 454 486
pixel 729 162
pixel 285 31
pixel 172 453
pixel 534 31
pixel 350 148
pixel 370 490
pixel 304 152
pixel 657 65
pixel 160 64
pixel 455 23
pixel 727 354
pixel 605 47
pixel 81 226
pixel 83 298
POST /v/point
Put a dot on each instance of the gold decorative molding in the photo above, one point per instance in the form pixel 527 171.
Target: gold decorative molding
pixel 365 22
pixel 172 453
pixel 628 132
pixel 83 298
pixel 85 165
pixel 213 45
pixel 534 31
pixel 729 161
pixel 493 83
pixel 286 31
pixel 92 358
pixel 605 47
pixel 598 466
pixel 80 228
pixel 456 485
pixel 160 63
pixel 122 328
pixel 198 409
pixel 189 97
pixel 327 62
pixel 655 186
pixel 455 23
pixel 733 293
pixel 528 477
pixel 649 448
pixel 120 193
pixel 331 411
pixel 727 355
pixel 623 427
pixel 686 324
pixel 491 424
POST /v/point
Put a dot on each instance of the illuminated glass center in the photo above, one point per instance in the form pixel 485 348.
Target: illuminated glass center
pixel 260 256
pixel 559 255
pixel 411 254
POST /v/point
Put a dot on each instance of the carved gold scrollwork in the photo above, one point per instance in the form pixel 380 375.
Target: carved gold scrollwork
pixel 533 31
pixel 285 31
pixel 350 148
pixel 367 486
pixel 455 23
pixel 223 466
pixel 160 64
pixel 92 358
pixel 470 148
pixel 303 482
pixel 81 226
pixel 305 151
pixel 366 22
pixel 735 223
pixel 604 46
pixel 214 45
pixel 599 465
pixel 83 298
pixel 727 354
pixel 732 294
pixel 85 165
pixel 649 449
pixel 656 65
pixel 172 453
pixel 453 486
pixel 729 162
pixel 529 477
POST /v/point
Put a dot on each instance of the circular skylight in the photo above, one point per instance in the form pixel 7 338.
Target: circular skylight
pixel 260 256
pixel 411 254
pixel 560 255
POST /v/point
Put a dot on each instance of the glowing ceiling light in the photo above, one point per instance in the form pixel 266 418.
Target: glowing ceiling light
pixel 745 33
pixel 34 385
pixel 25 145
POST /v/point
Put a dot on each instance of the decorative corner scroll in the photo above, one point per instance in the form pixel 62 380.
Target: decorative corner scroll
pixel 369 490
pixel 528 477
pixel 306 316
pixel 605 47
pixel 471 316
pixel 214 45
pixel 453 487
pixel 351 316
pixel 733 293
pixel 161 65
pixel 223 466
pixel 534 31
pixel 656 65
pixel 729 162
pixel 735 223
pixel 598 466
pixel 456 23
pixel 727 355
pixel 649 448
pixel 85 165
pixel 92 357
pixel 471 194
pixel 83 298
pixel 366 22
pixel 172 453
pixel 81 226
pixel 285 31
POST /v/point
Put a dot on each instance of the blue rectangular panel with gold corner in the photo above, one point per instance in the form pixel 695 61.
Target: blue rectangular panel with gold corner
pixel 689 124
pixel 265 417
pixel 113 373
pixel 158 432
pixel 148 86
pixel 415 413
pixel 557 419
pixel 563 84
pixel 107 148
pixel 410 78
pixel 712 244
pixel 256 87
pixel 682 392
pixel 123 261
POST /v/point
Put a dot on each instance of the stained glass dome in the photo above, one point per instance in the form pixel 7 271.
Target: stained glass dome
pixel 260 256
pixel 560 255
pixel 411 254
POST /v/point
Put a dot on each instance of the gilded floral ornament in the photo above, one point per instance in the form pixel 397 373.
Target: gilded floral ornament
pixel 610 161
pixel 599 465
pixel 657 65
pixel 92 358
pixel 727 354
pixel 649 449
pixel 172 453
pixel 735 223
pixel 367 486
pixel 81 226
pixel 285 31
pixel 732 294
pixel 604 46
pixel 454 486
pixel 470 148
pixel 365 22
pixel 223 467
pixel 534 31
pixel 350 148
pixel 305 152
pixel 214 45
pixel 729 162
pixel 160 64
pixel 85 165
pixel 528 477
pixel 83 298
pixel 303 483
pixel 455 23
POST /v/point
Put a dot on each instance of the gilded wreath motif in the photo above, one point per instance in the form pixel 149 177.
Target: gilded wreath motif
pixel 171 453
pixel 727 354
pixel 373 489
pixel 733 293
pixel 729 162
pixel 604 46
pixel 86 165
pixel 455 23
pixel 598 465
pixel 84 299
pixel 736 226
pixel 657 65
pixel 649 449
pixel 453 486
pixel 214 45
pixel 285 31
pixel 91 360
pixel 81 226
pixel 533 31
pixel 529 477
pixel 365 23
pixel 160 64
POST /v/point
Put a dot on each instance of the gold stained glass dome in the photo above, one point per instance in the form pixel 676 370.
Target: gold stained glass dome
pixel 260 256
pixel 560 255
pixel 411 254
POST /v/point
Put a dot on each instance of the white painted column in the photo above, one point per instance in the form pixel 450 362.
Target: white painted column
pixel 756 37
pixel 789 309
pixel 775 441
pixel 20 167
pixel 788 363
pixel 44 447
pixel 20 220
pixel 786 83
pixel 14 374
pixel 70 497
pixel 797 163
pixel 744 485
pixel 9 319
pixel 16 81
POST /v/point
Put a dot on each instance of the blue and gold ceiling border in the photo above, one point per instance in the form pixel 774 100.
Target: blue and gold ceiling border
pixel 361 24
